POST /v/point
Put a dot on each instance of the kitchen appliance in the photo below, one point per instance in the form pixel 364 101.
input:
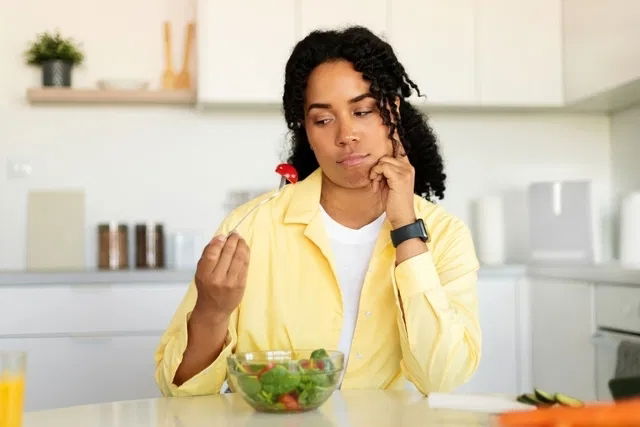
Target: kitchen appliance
pixel 113 246
pixel 618 321
pixel 625 388
pixel 562 223
pixel 150 245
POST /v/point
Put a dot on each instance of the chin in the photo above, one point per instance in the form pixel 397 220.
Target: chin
pixel 354 180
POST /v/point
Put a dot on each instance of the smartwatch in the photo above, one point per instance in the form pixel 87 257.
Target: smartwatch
pixel 410 231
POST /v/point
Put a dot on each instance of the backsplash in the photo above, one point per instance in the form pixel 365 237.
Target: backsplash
pixel 177 166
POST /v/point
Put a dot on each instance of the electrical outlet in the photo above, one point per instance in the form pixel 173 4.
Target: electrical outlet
pixel 18 169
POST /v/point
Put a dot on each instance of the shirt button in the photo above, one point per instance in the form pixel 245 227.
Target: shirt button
pixel 359 355
pixel 368 313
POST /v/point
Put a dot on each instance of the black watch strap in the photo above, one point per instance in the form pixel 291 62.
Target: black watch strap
pixel 410 231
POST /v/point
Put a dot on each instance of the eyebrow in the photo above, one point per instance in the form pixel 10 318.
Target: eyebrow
pixel 351 101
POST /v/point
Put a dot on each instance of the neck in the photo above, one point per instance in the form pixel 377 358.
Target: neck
pixel 353 208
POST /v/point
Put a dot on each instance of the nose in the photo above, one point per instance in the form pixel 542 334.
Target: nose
pixel 346 134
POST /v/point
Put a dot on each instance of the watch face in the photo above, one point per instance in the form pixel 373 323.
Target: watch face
pixel 424 230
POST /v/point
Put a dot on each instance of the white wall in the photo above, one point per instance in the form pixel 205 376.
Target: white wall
pixel 176 164
pixel 502 153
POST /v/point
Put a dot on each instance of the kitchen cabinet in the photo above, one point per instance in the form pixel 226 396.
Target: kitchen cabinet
pixel 562 329
pixel 243 46
pixel 519 52
pixel 87 308
pixel 601 52
pixel 66 371
pixel 435 42
pixel 459 52
pixel 332 14
pixel 501 305
pixel 87 342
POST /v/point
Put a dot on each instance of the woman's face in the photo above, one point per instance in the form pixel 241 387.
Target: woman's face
pixel 343 124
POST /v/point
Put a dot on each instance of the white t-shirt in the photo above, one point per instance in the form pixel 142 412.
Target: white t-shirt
pixel 352 251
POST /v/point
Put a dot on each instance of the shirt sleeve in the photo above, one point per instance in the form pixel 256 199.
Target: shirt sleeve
pixel 173 343
pixel 437 317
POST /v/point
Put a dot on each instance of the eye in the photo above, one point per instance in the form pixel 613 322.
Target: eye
pixel 363 113
pixel 322 122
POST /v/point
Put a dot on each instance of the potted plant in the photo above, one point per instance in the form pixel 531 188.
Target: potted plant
pixel 56 56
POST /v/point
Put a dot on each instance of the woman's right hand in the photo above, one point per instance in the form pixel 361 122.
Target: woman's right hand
pixel 221 275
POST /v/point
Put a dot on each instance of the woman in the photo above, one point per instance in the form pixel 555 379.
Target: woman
pixel 340 260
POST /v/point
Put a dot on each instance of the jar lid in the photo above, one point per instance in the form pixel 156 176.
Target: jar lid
pixel 111 226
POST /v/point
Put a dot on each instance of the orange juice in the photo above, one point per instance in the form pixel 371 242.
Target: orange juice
pixel 11 400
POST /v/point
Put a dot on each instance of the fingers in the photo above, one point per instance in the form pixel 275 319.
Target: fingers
pixel 385 167
pixel 222 267
pixel 240 263
pixel 211 254
pixel 392 171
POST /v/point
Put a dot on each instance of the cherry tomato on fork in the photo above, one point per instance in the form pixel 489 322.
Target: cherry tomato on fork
pixel 288 171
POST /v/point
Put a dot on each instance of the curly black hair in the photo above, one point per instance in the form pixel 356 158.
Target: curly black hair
pixel 377 62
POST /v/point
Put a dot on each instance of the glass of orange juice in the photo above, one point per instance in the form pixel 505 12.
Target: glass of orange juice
pixel 12 373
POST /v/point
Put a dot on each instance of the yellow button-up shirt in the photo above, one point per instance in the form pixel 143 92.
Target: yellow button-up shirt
pixel 417 320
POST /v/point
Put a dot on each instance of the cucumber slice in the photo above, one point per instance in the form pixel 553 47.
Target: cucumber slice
pixel 565 400
pixel 523 398
pixel 544 397
pixel 534 400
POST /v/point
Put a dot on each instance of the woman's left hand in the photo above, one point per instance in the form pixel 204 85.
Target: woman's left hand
pixel 394 178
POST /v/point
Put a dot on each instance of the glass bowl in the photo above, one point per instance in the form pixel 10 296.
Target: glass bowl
pixel 285 381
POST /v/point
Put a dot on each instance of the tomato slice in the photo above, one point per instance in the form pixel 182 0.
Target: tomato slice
pixel 289 402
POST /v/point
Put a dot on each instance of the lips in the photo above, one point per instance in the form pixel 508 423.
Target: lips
pixel 353 160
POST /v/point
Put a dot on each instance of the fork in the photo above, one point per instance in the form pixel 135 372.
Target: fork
pixel 283 181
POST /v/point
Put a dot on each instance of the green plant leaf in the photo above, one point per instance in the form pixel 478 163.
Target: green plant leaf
pixel 51 46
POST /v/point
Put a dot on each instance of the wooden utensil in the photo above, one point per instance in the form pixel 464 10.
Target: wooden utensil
pixel 168 76
pixel 183 80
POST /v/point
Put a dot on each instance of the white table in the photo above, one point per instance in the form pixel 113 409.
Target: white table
pixel 353 408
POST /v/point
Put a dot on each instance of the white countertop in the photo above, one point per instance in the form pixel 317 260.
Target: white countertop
pixel 94 276
pixel 160 276
pixel 605 273
pixel 353 408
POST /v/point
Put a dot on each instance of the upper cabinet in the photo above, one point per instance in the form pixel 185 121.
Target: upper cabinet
pixel 332 14
pixel 601 52
pixel 434 40
pixel 243 46
pixel 466 53
pixel 519 52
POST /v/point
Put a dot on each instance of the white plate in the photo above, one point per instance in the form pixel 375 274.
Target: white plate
pixel 123 84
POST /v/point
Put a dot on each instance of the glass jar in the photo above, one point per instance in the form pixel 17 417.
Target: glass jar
pixel 113 246
pixel 150 245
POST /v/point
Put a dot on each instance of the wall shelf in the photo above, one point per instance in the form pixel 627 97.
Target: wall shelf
pixel 98 96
